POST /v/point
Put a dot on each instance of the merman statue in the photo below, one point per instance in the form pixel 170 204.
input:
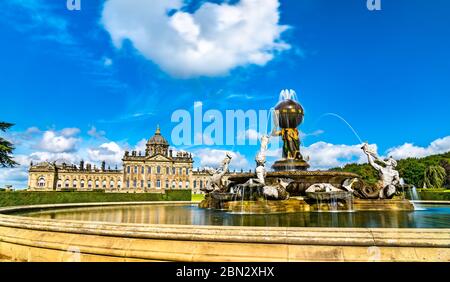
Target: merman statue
pixel 389 177
pixel 216 181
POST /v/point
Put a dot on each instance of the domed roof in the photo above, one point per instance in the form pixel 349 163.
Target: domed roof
pixel 158 139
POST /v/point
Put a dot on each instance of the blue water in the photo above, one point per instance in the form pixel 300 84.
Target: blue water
pixel 431 217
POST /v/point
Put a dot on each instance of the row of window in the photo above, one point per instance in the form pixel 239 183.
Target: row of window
pixel 41 183
pixel 200 183
pixel 174 170
pixel 158 184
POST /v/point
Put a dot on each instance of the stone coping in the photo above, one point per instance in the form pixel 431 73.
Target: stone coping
pixel 387 237
pixel 94 204
pixel 431 202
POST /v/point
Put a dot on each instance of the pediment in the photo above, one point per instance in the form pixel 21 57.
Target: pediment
pixel 158 158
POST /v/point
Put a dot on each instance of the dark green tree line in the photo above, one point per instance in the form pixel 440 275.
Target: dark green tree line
pixel 6 148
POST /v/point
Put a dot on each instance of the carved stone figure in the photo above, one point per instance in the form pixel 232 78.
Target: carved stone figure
pixel 389 177
pixel 322 187
pixel 277 192
pixel 216 181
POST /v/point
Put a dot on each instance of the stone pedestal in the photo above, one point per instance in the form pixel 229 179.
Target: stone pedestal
pixel 382 205
pixel 290 165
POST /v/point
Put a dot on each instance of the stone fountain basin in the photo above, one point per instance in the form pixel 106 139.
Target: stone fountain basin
pixel 302 179
pixel 327 196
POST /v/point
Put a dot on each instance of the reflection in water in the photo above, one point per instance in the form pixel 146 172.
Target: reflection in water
pixel 431 217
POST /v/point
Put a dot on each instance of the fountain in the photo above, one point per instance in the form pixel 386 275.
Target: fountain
pixel 291 187
pixel 287 214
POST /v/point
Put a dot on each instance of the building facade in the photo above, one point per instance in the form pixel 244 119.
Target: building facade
pixel 157 169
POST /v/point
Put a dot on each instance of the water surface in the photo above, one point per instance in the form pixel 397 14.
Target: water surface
pixel 431 217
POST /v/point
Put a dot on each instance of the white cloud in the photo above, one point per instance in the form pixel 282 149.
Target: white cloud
pixel 59 143
pixel 107 62
pixel 325 155
pixel 209 42
pixel 214 157
pixel 68 132
pixel 109 152
pixel 96 133
pixel 141 145
pixel 409 150
pixel 249 134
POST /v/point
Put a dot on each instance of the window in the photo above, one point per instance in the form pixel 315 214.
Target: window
pixel 59 183
pixel 128 169
pixel 149 170
pixel 135 169
pixel 142 169
pixel 97 184
pixel 104 184
pixel 173 184
pixel 75 184
pixel 167 170
pixel 201 184
pixel 158 184
pixel 158 169
pixel 82 183
pixel 187 184
pixel 41 182
pixel 195 184
pixel 90 184
pixel 167 183
pixel 149 184
pixel 66 183
pixel 180 184
pixel 142 183
pixel 111 184
pixel 128 183
pixel 173 170
pixel 187 171
pixel 119 184
pixel 134 183
pixel 181 171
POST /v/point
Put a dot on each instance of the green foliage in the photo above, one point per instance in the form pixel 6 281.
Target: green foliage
pixel 366 171
pixel 6 148
pixel 412 170
pixel 432 195
pixel 434 177
pixel 20 198
pixel 198 197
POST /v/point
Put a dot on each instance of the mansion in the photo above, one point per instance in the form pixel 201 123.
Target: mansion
pixel 155 170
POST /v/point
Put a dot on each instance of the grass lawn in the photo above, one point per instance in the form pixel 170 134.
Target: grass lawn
pixel 197 197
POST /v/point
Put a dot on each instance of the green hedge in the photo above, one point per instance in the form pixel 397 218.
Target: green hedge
pixel 20 198
pixel 433 195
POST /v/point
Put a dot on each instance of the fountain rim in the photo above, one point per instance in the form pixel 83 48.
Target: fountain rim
pixel 35 239
pixel 238 234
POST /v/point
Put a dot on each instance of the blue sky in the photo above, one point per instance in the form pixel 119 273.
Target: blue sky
pixel 92 83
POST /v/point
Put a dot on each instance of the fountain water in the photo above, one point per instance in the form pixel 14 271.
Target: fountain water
pixel 415 198
pixel 346 122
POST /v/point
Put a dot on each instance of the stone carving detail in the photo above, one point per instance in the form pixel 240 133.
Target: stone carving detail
pixel 389 177
pixel 322 187
pixel 216 181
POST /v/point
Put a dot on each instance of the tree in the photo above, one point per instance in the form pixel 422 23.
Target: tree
pixel 6 148
pixel 434 177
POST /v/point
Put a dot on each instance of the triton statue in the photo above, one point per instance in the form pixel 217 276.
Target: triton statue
pixel 389 177
pixel 216 182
